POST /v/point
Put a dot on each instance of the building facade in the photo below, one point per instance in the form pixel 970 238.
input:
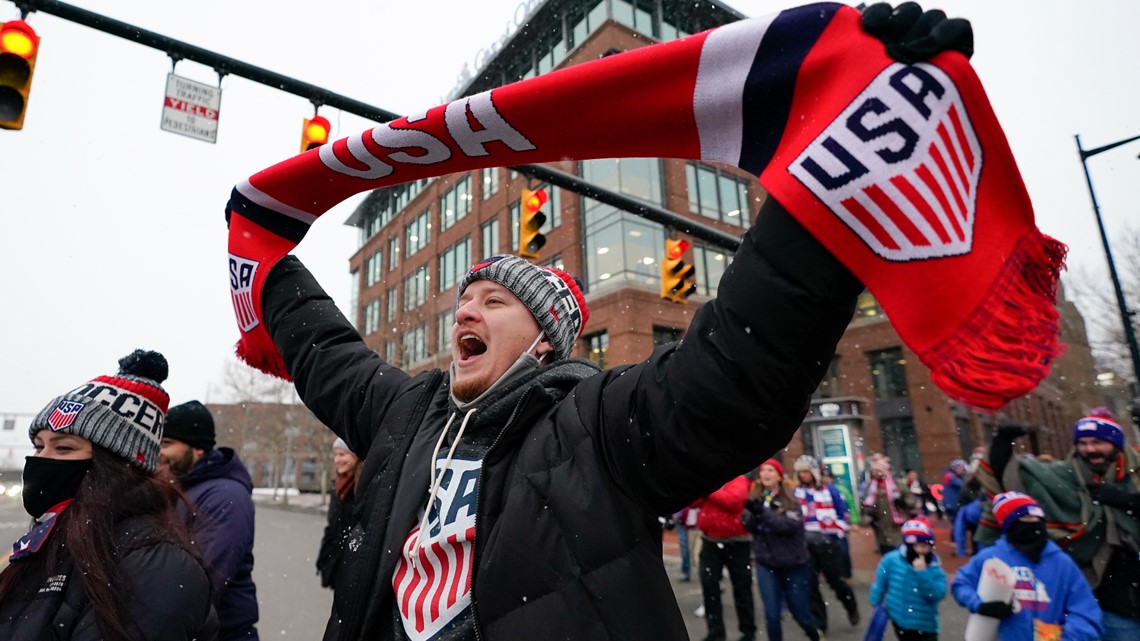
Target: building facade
pixel 418 239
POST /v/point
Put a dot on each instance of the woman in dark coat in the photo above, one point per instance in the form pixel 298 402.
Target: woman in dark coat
pixel 107 558
pixel 772 514
pixel 347 467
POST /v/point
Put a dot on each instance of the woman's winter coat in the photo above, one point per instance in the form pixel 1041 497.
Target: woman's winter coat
pixel 777 526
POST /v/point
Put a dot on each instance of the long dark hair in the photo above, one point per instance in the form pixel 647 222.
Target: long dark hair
pixel 111 491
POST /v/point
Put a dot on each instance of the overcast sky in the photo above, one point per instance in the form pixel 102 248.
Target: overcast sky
pixel 113 229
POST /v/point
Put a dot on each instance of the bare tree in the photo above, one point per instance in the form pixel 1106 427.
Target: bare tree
pixel 1093 293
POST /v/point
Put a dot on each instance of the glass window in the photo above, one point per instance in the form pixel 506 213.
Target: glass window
pixel 354 296
pixel 665 335
pixel 455 203
pixel 417 233
pixel 597 345
pixel 554 261
pixel 415 345
pixel 624 249
pixel 490 181
pixel 454 263
pixel 900 443
pixel 390 352
pixel 415 289
pixel 709 265
pixel 372 317
pixel 888 373
pixel 490 232
pixel 444 323
pixel 393 253
pixel 374 268
pixel 514 211
pixel 393 304
pixel 717 195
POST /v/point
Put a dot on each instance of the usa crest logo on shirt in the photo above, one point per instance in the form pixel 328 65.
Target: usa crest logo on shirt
pixel 900 165
pixel 242 271
pixel 64 415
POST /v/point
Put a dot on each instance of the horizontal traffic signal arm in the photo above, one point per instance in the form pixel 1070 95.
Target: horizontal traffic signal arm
pixel 317 95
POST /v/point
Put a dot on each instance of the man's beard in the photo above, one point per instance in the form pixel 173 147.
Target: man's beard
pixel 470 389
pixel 182 464
pixel 1098 467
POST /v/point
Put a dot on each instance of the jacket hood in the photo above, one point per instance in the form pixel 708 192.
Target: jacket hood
pixel 218 463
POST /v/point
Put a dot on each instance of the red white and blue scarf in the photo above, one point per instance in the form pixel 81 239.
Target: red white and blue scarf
pixel 902 172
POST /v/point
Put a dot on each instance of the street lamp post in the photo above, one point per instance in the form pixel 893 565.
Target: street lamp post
pixel 1125 314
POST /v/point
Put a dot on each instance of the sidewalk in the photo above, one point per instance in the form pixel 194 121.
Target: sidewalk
pixel 311 502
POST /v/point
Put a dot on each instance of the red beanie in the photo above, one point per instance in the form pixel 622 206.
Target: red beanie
pixel 776 464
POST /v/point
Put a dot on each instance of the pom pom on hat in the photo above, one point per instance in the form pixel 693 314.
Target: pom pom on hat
pixel 553 296
pixel 917 531
pixel 123 414
pixel 1011 506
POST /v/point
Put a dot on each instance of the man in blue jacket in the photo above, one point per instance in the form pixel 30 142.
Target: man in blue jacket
pixel 1050 596
pixel 218 486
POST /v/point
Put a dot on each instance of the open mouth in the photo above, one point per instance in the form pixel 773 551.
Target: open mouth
pixel 470 346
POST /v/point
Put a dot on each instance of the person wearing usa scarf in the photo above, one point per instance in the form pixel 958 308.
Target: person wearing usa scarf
pixel 515 495
pixel 885 505
pixel 1093 499
pixel 107 558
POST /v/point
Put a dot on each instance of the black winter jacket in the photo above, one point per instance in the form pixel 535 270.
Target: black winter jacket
pixel 333 541
pixel 167 596
pixel 777 530
pixel 567 542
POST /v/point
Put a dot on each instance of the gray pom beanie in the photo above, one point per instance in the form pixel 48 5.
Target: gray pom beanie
pixel 123 413
pixel 553 296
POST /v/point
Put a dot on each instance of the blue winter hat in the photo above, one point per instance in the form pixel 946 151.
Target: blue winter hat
pixel 1101 427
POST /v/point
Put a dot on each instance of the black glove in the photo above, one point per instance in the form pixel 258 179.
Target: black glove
pixel 912 35
pixel 995 609
pixel 1115 495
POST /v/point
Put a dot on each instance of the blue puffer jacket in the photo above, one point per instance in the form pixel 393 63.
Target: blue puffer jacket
pixel 1052 590
pixel 911 596
pixel 220 487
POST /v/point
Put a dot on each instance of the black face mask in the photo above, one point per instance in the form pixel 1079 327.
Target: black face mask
pixel 50 481
pixel 911 555
pixel 1028 537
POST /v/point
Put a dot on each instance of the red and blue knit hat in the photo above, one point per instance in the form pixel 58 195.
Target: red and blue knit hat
pixel 917 531
pixel 1099 424
pixel 553 296
pixel 1011 506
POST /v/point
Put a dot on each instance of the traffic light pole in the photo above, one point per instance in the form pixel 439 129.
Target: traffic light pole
pixel 319 96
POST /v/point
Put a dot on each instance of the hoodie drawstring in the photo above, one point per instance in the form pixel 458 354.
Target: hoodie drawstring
pixel 438 478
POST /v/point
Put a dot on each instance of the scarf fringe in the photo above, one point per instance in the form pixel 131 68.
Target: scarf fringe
pixel 269 362
pixel 1008 343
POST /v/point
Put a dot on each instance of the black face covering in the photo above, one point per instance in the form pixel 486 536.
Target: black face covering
pixel 1028 537
pixel 911 555
pixel 50 481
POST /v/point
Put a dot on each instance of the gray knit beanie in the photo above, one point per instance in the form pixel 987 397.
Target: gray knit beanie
pixel 123 413
pixel 553 296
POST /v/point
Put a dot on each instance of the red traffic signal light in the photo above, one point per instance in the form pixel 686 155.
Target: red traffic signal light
pixel 675 274
pixel 315 132
pixel 531 220
pixel 19 45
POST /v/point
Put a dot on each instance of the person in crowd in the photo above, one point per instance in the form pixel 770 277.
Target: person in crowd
pixel 952 479
pixel 925 503
pixel 519 453
pixel 725 546
pixel 772 514
pixel 885 505
pixel 107 557
pixel 965 528
pixel 827 478
pixel 825 526
pixel 910 583
pixel 1093 499
pixel 347 467
pixel 684 543
pixel 1051 599
pixel 220 516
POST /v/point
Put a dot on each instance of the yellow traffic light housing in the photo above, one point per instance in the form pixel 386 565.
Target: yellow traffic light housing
pixel 531 219
pixel 675 274
pixel 19 45
pixel 315 132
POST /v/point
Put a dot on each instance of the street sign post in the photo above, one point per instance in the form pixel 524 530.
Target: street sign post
pixel 191 108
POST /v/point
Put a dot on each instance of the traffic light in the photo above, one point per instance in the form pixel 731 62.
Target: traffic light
pixel 531 219
pixel 675 274
pixel 315 132
pixel 19 45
